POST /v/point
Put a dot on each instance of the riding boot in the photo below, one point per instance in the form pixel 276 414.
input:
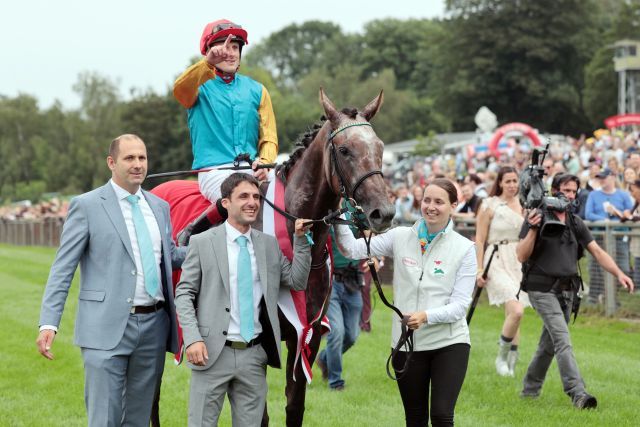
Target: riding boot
pixel 512 358
pixel 210 217
pixel 502 366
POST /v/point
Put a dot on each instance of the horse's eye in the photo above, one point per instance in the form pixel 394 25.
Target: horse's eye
pixel 343 150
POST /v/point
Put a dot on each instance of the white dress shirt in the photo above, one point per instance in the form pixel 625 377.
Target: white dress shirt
pixel 233 249
pixel 141 297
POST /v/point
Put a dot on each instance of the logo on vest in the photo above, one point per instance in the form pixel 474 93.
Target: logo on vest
pixel 437 269
pixel 409 261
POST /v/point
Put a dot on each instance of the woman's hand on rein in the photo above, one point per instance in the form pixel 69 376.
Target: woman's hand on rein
pixel 416 319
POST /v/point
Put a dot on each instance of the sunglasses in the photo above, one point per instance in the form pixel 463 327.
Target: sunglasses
pixel 224 26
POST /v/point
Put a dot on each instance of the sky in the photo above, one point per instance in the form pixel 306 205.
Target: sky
pixel 144 44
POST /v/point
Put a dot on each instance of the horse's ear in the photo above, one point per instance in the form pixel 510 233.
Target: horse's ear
pixel 329 109
pixel 372 108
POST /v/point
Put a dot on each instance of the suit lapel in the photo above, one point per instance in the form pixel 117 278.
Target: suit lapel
pixel 219 243
pixel 111 206
pixel 261 258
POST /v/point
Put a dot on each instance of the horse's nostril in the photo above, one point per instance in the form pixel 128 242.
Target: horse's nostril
pixel 381 216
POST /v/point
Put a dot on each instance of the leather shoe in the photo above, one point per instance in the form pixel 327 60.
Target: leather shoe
pixel 585 401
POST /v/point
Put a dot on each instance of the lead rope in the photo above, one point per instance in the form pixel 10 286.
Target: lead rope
pixel 406 334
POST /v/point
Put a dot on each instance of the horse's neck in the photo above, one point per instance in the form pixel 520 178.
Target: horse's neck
pixel 308 194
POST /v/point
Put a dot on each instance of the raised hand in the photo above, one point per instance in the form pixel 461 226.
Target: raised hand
pixel 221 52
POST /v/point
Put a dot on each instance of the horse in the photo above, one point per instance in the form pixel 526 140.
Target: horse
pixel 339 158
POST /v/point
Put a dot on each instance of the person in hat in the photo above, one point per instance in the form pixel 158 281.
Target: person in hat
pixel 607 204
pixel 228 114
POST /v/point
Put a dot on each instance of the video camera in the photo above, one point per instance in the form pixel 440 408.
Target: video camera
pixel 534 195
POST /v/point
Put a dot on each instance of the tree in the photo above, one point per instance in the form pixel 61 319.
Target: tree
pixel 601 91
pixel 427 146
pixel 600 78
pixel 525 60
pixel 403 46
pixel 161 123
pixel 398 119
pixel 101 109
pixel 57 151
pixel 294 51
pixel 20 126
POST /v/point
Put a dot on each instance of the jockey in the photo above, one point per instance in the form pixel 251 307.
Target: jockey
pixel 228 114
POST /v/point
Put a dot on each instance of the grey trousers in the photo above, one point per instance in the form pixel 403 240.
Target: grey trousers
pixel 555 311
pixel 120 383
pixel 240 374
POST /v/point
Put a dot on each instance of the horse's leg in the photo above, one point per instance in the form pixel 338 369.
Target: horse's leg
pixel 296 390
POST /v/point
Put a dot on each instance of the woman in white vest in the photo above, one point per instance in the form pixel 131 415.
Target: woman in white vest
pixel 500 219
pixel 433 279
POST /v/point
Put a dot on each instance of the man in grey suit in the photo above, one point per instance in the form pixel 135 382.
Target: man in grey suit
pixel 121 237
pixel 227 306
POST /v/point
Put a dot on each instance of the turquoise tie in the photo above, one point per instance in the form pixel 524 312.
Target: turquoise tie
pixel 146 247
pixel 245 289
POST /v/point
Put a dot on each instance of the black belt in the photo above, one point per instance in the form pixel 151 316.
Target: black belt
pixel 539 282
pixel 502 242
pixel 145 309
pixel 241 345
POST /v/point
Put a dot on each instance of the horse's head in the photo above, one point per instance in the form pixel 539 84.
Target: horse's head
pixel 356 160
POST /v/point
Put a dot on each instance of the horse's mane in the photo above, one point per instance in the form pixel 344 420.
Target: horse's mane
pixel 303 142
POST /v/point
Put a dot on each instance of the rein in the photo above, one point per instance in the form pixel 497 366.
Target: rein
pixel 406 334
pixel 331 218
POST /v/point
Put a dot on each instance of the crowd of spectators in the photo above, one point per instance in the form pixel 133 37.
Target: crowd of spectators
pixel 604 160
pixel 53 208
pixel 607 165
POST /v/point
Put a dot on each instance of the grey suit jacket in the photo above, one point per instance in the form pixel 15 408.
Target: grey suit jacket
pixel 205 284
pixel 95 236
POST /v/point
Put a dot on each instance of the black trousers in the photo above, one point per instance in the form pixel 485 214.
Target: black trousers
pixel 440 371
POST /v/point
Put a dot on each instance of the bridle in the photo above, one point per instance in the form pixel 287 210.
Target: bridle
pixel 345 190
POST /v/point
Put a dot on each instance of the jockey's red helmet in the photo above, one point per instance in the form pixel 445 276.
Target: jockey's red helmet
pixel 219 30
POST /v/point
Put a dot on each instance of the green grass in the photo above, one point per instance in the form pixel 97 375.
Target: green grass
pixel 37 392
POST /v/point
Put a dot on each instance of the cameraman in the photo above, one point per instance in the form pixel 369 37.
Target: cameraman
pixel 551 281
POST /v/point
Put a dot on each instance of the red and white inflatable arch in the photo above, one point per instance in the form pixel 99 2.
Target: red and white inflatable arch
pixel 514 127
